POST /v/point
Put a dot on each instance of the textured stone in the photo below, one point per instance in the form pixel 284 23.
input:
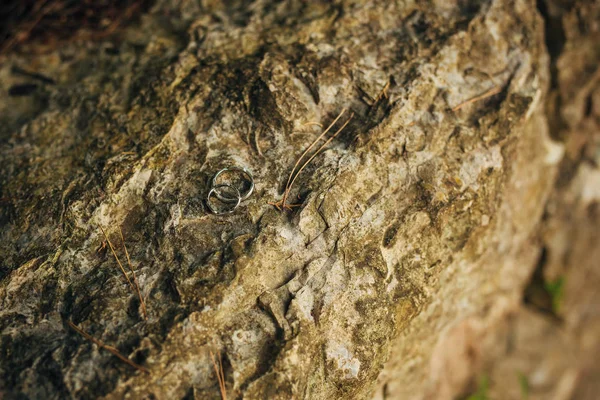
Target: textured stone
pixel 420 227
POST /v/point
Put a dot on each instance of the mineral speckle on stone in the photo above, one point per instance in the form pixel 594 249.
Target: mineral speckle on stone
pixel 421 230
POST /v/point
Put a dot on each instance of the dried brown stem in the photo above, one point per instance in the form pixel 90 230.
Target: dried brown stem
pixel 137 286
pixel 108 348
pixel 218 366
pixel 117 258
pixel 487 94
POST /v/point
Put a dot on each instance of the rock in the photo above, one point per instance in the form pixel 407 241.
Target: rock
pixel 463 181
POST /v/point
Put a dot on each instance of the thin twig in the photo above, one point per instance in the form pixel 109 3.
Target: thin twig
pixel 117 258
pixel 108 348
pixel 491 92
pixel 137 286
pixel 218 366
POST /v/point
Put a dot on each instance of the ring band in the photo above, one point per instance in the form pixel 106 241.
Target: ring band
pixel 241 197
pixel 214 191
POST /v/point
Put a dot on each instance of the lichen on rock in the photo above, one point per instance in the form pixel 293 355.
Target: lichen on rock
pixel 416 227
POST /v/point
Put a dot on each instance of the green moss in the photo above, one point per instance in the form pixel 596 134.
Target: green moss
pixel 524 384
pixel 556 290
pixel 482 389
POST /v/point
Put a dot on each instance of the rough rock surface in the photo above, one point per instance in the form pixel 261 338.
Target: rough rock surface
pixel 420 259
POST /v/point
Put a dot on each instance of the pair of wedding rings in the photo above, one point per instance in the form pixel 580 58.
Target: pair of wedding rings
pixel 227 194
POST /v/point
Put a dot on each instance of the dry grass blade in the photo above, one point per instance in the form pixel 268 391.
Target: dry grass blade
pixel 117 258
pixel 487 94
pixel 290 184
pixel 108 348
pixel 137 286
pixel 218 366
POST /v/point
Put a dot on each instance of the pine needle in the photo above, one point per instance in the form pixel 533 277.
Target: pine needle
pixel 312 145
pixel 383 92
pixel 117 258
pixel 487 94
pixel 282 204
pixel 137 286
pixel 316 153
pixel 313 123
pixel 108 348
pixel 218 366
pixel 256 143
